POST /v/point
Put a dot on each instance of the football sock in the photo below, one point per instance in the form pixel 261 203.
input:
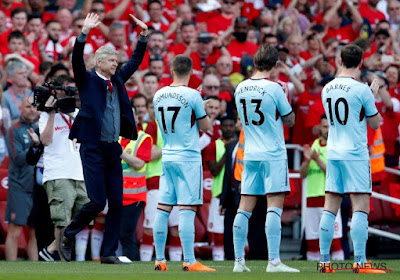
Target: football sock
pixel 326 231
pixel 160 231
pixel 186 234
pixel 359 235
pixel 96 239
pixel 175 249
pixel 81 241
pixel 273 230
pixel 240 230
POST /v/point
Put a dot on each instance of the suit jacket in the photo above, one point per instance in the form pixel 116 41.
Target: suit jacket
pixel 93 92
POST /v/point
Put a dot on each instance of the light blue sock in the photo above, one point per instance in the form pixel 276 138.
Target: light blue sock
pixel 160 231
pixel 186 234
pixel 240 230
pixel 273 230
pixel 326 231
pixel 359 235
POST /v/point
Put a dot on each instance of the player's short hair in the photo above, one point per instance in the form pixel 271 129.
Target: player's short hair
pixel 16 35
pixel 182 65
pixel 265 58
pixel 351 56
pixel 323 117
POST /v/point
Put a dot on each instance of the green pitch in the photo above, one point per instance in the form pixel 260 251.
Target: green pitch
pixel 141 270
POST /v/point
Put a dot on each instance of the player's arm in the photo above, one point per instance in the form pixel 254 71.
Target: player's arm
pixel 375 121
pixel 289 119
pixel 204 123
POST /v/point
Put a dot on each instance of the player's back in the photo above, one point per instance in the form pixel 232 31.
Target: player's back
pixel 260 103
pixel 176 109
pixel 347 102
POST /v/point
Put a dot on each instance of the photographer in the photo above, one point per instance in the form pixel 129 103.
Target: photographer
pixel 63 175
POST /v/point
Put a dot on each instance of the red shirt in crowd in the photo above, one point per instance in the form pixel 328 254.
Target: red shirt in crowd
pixel 372 16
pixel 219 24
pixel 238 50
pixel 344 34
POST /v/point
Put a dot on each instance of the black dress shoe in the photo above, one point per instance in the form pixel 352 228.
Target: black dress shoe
pixel 111 260
pixel 65 247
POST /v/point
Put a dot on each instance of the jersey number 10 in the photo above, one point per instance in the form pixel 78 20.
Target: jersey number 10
pixel 338 117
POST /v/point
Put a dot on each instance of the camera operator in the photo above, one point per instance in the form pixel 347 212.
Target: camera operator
pixel 63 175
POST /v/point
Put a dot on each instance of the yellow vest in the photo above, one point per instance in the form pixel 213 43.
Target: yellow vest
pixel 154 167
pixel 218 181
pixel 134 181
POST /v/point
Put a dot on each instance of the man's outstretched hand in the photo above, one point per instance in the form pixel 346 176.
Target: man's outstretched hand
pixel 91 21
pixel 141 24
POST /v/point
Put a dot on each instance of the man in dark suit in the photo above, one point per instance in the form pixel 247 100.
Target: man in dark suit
pixel 105 115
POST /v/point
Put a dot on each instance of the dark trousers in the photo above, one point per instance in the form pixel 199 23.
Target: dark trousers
pixel 102 171
pixel 129 219
pixel 230 215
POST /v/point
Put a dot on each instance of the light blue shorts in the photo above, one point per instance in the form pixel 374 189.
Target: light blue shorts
pixel 181 183
pixel 348 176
pixel 265 177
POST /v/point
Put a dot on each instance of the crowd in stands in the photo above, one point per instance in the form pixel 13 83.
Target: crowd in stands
pixel 221 36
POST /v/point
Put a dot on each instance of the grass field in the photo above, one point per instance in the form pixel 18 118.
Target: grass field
pixel 141 270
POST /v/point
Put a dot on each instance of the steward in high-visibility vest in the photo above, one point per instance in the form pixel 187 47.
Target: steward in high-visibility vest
pixel 154 167
pixel 377 157
pixel 134 181
pixel 239 158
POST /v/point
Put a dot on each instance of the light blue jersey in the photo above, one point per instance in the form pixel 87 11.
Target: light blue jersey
pixel 176 109
pixel 346 103
pixel 260 103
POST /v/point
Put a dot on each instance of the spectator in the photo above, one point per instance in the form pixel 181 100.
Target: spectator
pixel 69 42
pixel 155 10
pixel 213 109
pixel 63 175
pixel 23 146
pixel 239 46
pixel 136 155
pixel 98 35
pixel 188 36
pixel 64 17
pixel 19 18
pixel 150 84
pixel 393 10
pixel 220 23
pixel 370 12
pixel 215 157
pixel 156 46
pixel 157 66
pixel 117 41
pixel 52 47
pixel 17 74
pixel 314 168
pixel 3 22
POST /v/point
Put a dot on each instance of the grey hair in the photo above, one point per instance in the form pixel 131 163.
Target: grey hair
pixel 13 65
pixel 102 53
pixel 116 25
pixel 210 78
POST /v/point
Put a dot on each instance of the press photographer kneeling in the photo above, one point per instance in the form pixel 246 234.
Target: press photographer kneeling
pixel 63 175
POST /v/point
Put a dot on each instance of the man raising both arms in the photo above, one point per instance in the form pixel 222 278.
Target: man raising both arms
pixel 262 105
pixel 348 104
pixel 180 113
